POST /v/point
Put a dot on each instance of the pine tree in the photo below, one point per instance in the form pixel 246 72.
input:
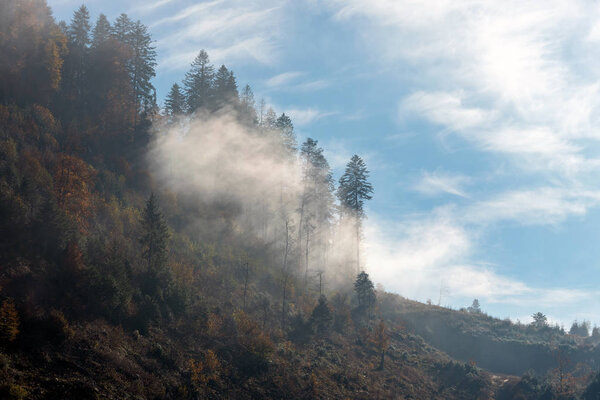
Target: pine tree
pixel 122 28
pixel 353 190
pixel 198 83
pixel 225 88
pixel 141 69
pixel 175 101
pixel 316 199
pixel 79 29
pixel 247 107
pixel 321 317
pixel 102 31
pixel 78 34
pixel 286 130
pixel 155 236
pixel 365 292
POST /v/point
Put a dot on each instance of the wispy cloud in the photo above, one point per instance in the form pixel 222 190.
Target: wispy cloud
pixel 283 78
pixel 146 7
pixel 438 182
pixel 232 31
pixel 305 116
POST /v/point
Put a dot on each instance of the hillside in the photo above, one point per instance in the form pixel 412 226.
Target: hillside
pixel 150 254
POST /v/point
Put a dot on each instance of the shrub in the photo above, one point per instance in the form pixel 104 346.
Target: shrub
pixel 58 326
pixel 9 321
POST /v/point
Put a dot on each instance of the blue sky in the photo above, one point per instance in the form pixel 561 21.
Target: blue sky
pixel 478 120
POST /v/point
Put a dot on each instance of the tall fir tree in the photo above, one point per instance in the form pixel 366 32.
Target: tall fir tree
pixel 122 28
pixel 225 88
pixel 288 136
pixel 141 69
pixel 175 101
pixel 78 34
pixel 247 107
pixel 155 236
pixel 198 83
pixel 79 29
pixel 365 291
pixel 102 31
pixel 353 190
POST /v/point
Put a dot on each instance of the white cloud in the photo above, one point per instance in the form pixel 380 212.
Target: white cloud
pixel 305 116
pixel 445 109
pixel 283 78
pixel 437 182
pixel 541 206
pixel 231 31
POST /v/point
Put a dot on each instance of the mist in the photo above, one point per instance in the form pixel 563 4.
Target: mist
pixel 262 189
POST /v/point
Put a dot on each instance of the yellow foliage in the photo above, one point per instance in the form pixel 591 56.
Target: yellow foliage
pixel 204 371
pixel 251 336
pixel 9 321
pixel 72 182
pixel 213 324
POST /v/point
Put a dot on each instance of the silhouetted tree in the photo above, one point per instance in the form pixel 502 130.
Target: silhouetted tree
pixel 321 317
pixel 102 31
pixel 155 235
pixel 353 190
pixel 198 83
pixel 365 292
pixel 475 307
pixel 539 320
pixel 286 130
pixel 175 101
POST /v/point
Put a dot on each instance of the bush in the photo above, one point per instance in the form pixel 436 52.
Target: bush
pixel 9 321
pixel 58 326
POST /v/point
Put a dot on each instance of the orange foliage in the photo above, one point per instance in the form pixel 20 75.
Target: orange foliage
pixel 213 324
pixel 9 321
pixel 251 336
pixel 72 181
pixel 73 260
pixel 204 371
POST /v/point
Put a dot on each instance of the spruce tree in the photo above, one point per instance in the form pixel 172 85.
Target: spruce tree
pixel 353 190
pixel 286 130
pixel 365 292
pixel 155 236
pixel 122 28
pixel 225 88
pixel 198 83
pixel 321 316
pixel 101 32
pixel 79 29
pixel 247 107
pixel 141 68
pixel 175 101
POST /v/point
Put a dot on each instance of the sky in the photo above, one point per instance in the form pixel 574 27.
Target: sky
pixel 479 122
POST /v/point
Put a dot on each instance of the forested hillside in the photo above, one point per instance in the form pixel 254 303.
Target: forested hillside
pixel 193 251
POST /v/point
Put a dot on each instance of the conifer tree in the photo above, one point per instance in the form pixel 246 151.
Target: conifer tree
pixel 79 29
pixel 141 68
pixel 78 34
pixel 175 101
pixel 286 130
pixel 155 236
pixel 247 107
pixel 225 88
pixel 101 32
pixel 122 28
pixel 198 83
pixel 365 292
pixel 353 190
pixel 321 316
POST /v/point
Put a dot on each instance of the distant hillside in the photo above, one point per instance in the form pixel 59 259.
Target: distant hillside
pixel 497 345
